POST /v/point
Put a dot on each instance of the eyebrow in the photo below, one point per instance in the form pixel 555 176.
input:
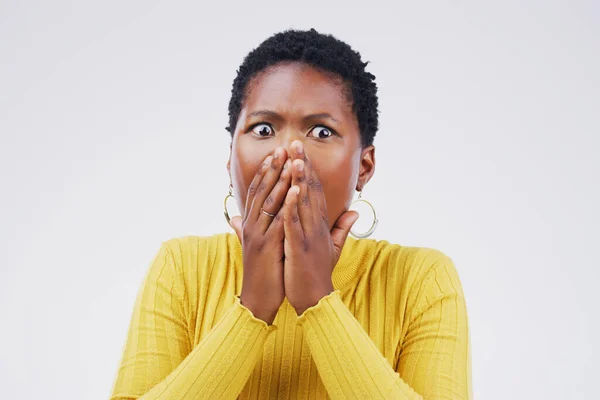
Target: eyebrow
pixel 274 115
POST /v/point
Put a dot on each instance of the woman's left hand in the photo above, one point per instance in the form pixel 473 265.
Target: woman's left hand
pixel 311 250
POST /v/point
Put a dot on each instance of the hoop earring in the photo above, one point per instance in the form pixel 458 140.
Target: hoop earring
pixel 225 212
pixel 373 225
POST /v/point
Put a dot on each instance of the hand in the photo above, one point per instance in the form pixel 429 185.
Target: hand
pixel 311 250
pixel 262 238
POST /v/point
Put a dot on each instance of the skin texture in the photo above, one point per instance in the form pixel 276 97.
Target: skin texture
pixel 285 109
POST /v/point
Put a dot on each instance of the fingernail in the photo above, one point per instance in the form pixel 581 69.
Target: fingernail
pixel 278 153
pixel 268 160
pixel 287 164
pixel 299 165
pixel 296 189
pixel 298 147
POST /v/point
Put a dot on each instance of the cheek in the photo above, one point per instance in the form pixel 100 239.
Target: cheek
pixel 243 169
pixel 338 178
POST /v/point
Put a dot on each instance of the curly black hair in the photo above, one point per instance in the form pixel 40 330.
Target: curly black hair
pixel 319 50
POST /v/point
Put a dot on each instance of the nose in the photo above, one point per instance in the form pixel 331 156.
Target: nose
pixel 292 146
pixel 287 140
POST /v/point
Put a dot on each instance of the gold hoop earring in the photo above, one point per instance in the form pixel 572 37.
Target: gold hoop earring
pixel 225 205
pixel 373 225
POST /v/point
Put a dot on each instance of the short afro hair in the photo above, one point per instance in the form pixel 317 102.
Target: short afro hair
pixel 319 50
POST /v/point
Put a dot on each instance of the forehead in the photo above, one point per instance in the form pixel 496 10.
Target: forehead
pixel 299 88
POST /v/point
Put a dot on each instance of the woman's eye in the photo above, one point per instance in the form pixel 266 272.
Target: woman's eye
pixel 320 132
pixel 262 130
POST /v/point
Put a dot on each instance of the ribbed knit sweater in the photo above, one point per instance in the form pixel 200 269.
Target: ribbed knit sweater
pixel 395 327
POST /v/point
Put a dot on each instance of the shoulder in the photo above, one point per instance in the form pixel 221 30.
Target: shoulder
pixel 193 254
pixel 426 262
pixel 418 276
pixel 417 261
pixel 191 245
pixel 410 268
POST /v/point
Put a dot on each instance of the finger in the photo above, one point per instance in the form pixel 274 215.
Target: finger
pixel 342 227
pixel 310 188
pixel 291 219
pixel 267 183
pixel 316 193
pixel 304 205
pixel 275 199
pixel 262 169
pixel 275 229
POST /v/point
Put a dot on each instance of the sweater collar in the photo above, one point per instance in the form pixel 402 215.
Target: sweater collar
pixel 350 264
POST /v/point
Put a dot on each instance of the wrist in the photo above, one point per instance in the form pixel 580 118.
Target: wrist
pixel 314 300
pixel 258 311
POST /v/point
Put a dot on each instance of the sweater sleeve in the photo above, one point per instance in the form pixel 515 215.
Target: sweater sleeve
pixel 435 354
pixel 158 361
pixel 433 360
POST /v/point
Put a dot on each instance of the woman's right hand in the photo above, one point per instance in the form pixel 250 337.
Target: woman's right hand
pixel 262 237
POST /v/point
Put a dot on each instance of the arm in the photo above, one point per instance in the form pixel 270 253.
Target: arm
pixel 158 361
pixel 433 358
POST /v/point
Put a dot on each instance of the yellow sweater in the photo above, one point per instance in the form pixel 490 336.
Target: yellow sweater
pixel 394 328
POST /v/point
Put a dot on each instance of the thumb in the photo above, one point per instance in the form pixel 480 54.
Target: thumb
pixel 236 223
pixel 342 227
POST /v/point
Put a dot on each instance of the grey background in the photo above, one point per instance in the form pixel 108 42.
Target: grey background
pixel 112 140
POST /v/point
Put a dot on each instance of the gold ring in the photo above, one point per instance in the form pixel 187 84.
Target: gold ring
pixel 267 214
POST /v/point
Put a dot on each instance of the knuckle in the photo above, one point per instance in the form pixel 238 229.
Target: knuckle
pixel 295 218
pixel 261 187
pixel 305 245
pixel 269 200
pixel 252 189
pixel 246 235
pixel 305 201
pixel 259 246
pixel 314 184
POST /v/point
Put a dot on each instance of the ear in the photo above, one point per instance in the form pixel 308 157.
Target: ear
pixel 367 166
pixel 229 162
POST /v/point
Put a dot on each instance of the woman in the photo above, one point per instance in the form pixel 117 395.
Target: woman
pixel 290 306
